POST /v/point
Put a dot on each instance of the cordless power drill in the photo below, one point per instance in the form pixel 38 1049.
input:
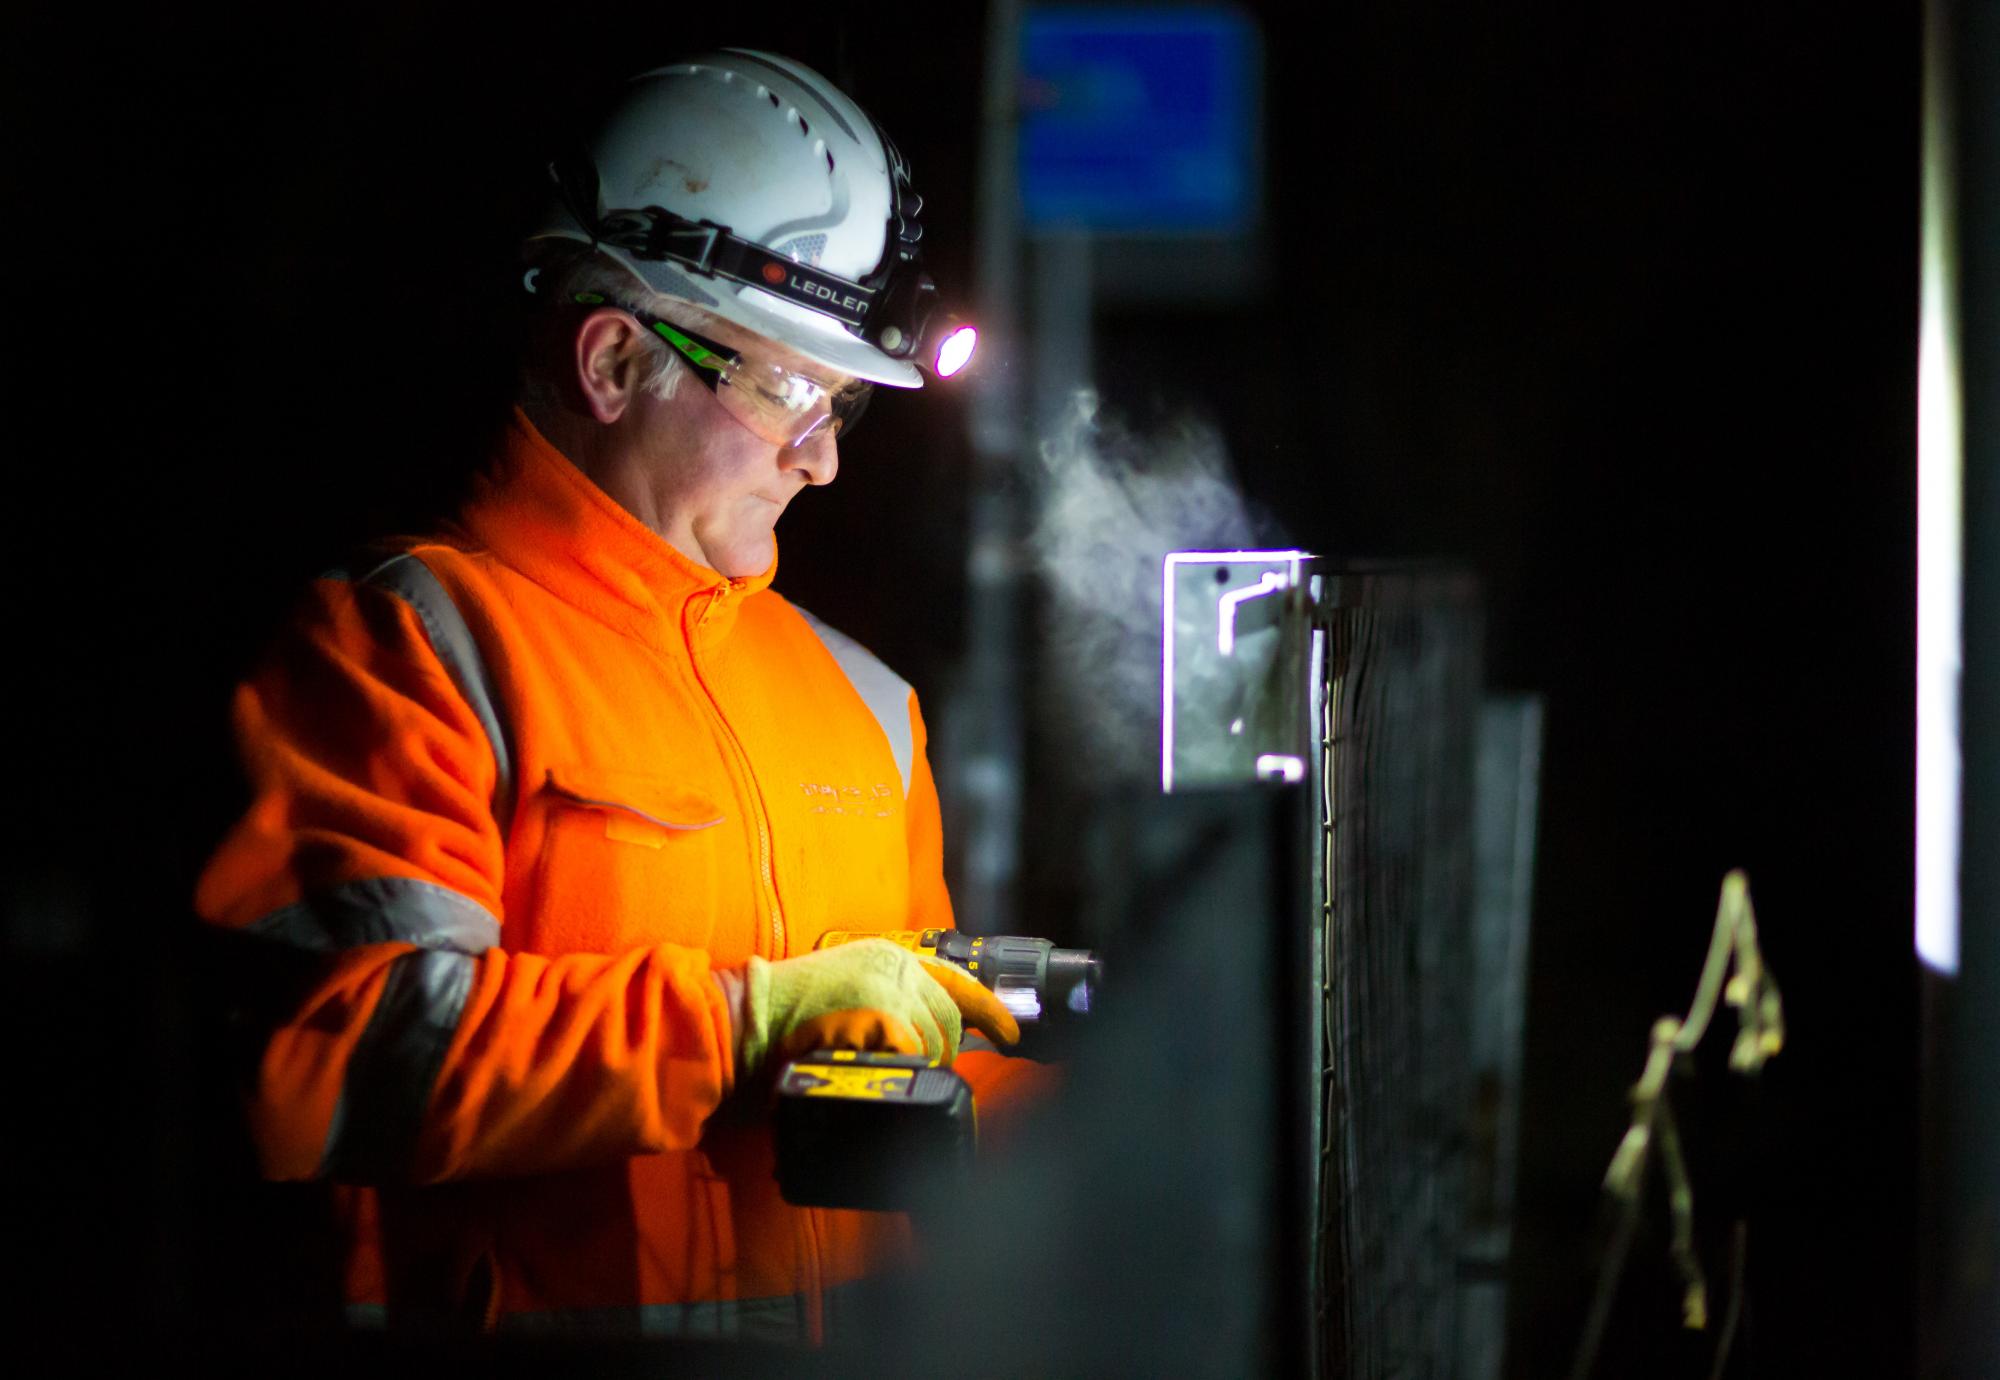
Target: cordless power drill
pixel 858 1129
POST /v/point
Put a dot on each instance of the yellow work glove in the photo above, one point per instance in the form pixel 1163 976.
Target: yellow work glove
pixel 870 994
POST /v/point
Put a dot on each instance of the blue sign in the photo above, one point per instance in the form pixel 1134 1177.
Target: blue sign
pixel 1139 121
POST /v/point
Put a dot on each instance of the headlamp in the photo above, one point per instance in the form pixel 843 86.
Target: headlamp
pixel 912 327
pixel 956 351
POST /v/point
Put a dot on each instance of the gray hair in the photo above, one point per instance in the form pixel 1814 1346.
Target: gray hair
pixel 572 269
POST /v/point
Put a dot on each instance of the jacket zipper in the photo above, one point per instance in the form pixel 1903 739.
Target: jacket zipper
pixel 815 1269
pixel 715 600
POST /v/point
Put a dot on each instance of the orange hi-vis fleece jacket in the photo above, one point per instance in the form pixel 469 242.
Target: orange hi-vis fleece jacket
pixel 518 790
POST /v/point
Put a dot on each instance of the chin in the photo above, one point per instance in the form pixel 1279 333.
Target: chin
pixel 745 559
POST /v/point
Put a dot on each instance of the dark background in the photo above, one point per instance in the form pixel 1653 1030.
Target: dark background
pixel 1616 302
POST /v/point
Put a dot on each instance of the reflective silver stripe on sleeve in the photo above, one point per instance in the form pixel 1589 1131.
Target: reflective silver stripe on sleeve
pixel 410 580
pixel 394 1067
pixel 886 694
pixel 383 910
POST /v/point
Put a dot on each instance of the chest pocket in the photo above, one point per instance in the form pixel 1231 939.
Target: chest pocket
pixel 627 860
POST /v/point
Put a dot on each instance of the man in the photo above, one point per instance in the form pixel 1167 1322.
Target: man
pixel 562 798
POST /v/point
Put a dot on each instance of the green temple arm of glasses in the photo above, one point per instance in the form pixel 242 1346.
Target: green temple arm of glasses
pixel 699 354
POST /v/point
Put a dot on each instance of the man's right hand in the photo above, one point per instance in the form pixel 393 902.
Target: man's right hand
pixel 869 994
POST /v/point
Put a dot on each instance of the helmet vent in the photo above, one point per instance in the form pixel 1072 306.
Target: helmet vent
pixel 829 158
pixel 771 94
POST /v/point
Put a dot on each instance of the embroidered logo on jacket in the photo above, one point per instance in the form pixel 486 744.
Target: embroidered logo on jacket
pixel 860 802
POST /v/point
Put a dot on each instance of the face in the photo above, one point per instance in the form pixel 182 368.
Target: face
pixel 717 488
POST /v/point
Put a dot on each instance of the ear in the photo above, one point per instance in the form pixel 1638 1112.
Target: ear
pixel 610 352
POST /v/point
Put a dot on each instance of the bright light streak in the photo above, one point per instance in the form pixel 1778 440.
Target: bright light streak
pixel 1940 565
pixel 1167 676
pixel 956 350
pixel 1226 606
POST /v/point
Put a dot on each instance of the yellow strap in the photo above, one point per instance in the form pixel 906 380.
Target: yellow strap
pixel 1752 990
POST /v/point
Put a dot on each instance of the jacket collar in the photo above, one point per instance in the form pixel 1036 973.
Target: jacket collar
pixel 536 511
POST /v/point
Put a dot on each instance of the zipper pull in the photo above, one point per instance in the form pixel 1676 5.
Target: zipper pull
pixel 715 598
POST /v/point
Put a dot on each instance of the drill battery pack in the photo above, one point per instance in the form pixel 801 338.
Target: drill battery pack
pixel 862 1130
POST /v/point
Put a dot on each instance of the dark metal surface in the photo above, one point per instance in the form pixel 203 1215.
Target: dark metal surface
pixel 1398 717
pixel 1366 681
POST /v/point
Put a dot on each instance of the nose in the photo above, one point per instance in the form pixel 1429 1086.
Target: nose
pixel 815 457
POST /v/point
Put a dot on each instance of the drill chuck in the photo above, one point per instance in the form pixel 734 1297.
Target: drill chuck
pixel 1034 979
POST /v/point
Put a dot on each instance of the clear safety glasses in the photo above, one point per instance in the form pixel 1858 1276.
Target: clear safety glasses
pixel 783 407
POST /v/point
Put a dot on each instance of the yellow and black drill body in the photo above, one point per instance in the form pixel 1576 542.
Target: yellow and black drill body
pixel 858 1129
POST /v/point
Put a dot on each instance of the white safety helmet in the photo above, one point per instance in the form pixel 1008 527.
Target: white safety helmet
pixel 751 186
